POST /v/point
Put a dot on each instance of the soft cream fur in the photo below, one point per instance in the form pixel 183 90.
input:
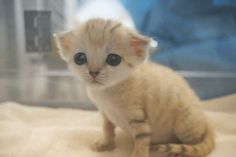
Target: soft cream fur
pixel 149 101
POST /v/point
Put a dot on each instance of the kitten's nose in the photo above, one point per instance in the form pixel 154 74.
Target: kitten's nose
pixel 94 73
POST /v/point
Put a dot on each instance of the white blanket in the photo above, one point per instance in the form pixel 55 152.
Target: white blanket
pixel 45 132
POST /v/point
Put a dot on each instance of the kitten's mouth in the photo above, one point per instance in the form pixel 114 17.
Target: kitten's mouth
pixel 95 82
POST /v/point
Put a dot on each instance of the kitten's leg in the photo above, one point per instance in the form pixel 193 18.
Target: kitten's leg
pixel 142 137
pixel 108 141
pixel 193 130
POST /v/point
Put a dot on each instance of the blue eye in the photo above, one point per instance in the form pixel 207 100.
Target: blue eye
pixel 80 58
pixel 113 59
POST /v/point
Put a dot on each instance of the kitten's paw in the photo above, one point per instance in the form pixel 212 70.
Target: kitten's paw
pixel 101 146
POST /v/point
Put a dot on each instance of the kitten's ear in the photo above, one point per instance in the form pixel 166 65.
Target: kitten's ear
pixel 64 43
pixel 140 44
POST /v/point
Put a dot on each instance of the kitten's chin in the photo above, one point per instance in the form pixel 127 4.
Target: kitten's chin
pixel 95 84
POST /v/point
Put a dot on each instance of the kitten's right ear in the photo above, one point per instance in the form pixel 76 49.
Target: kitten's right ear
pixel 64 42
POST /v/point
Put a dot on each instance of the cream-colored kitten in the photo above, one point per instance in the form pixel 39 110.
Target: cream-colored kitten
pixel 149 101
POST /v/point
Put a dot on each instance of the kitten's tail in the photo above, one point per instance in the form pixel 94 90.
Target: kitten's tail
pixel 200 149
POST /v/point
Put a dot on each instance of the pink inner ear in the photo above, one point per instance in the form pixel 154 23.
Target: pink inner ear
pixel 137 44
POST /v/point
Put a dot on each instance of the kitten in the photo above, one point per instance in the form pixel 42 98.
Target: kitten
pixel 149 101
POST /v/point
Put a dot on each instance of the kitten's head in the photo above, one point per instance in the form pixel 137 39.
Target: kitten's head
pixel 102 52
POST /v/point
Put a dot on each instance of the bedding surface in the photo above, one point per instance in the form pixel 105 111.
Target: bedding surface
pixel 45 132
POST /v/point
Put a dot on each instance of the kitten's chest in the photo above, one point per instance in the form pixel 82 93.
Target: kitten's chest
pixel 114 109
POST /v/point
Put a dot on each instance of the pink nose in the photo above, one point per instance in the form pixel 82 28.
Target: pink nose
pixel 94 73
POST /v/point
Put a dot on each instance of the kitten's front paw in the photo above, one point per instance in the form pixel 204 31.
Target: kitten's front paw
pixel 101 146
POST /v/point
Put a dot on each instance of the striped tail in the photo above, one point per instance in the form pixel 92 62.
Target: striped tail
pixel 200 149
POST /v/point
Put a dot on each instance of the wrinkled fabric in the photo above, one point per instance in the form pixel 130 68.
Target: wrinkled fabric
pixel 45 132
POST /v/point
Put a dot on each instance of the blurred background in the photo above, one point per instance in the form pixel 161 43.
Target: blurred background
pixel 196 38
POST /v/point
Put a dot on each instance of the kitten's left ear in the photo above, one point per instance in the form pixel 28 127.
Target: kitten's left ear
pixel 64 43
pixel 140 44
